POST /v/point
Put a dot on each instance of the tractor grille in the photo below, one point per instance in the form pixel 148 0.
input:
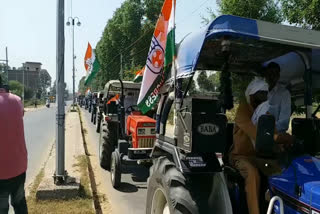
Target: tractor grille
pixel 146 142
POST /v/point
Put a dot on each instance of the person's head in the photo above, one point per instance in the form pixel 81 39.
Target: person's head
pixel 257 92
pixel 272 74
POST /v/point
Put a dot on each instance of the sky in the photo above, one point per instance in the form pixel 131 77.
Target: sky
pixel 28 29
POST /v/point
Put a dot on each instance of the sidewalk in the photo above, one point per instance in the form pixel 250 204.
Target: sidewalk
pixel 45 196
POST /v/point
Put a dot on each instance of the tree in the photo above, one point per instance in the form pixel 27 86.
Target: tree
pixel 127 33
pixel 302 12
pixel 266 10
pixel 44 82
pixel 16 87
pixel 208 83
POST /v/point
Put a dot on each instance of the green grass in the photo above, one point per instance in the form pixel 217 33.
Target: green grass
pixel 82 204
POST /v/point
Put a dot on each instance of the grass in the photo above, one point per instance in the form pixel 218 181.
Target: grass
pixel 82 204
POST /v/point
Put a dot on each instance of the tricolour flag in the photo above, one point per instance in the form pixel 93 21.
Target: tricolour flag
pixel 139 75
pixel 91 64
pixel 160 57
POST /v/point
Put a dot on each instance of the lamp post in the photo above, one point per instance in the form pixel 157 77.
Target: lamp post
pixel 71 21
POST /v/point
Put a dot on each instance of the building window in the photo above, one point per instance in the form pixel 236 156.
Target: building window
pixel 28 68
pixel 37 69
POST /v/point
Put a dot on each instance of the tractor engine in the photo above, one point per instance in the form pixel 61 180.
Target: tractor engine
pixel 142 129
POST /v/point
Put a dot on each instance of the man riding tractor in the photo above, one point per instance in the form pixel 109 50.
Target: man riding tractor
pixel 187 175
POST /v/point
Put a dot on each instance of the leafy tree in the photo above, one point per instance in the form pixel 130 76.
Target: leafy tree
pixel 208 83
pixel 44 82
pixel 266 10
pixel 302 12
pixel 16 87
pixel 127 33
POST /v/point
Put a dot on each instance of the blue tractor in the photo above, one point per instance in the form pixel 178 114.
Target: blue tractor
pixel 191 173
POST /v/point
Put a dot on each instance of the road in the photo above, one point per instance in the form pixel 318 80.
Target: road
pixel 39 129
pixel 131 197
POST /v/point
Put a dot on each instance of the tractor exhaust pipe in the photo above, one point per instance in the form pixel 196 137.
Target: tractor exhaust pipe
pixel 121 114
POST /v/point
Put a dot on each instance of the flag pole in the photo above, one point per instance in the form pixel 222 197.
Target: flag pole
pixel 174 70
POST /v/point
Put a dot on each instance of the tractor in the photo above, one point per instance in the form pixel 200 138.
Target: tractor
pixel 100 103
pixel 126 136
pixel 188 174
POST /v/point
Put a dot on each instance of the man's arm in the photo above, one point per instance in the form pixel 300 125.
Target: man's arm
pixel 282 124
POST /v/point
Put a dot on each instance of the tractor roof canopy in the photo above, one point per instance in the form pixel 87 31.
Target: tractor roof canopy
pixel 251 43
pixel 126 85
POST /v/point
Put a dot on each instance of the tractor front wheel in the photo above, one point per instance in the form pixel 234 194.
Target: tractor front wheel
pixel 115 169
pixel 107 143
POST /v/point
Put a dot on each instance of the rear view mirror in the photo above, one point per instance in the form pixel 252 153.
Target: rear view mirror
pixel 265 132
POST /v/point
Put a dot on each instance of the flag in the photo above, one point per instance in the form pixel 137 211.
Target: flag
pixel 114 99
pixel 91 64
pixel 160 57
pixel 139 75
pixel 87 91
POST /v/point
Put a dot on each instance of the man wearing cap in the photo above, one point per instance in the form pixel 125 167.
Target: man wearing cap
pixel 243 153
pixel 13 153
pixel 279 98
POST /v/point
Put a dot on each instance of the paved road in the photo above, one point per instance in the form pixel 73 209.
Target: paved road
pixel 39 129
pixel 131 197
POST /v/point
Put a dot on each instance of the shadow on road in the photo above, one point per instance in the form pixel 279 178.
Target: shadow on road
pixel 127 188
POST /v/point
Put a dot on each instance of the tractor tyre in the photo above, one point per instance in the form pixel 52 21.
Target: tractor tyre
pixel 98 124
pixel 95 118
pixel 167 191
pixel 92 117
pixel 107 143
pixel 115 169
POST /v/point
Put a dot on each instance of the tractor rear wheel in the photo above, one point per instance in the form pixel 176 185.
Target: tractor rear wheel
pixel 115 169
pixel 167 192
pixel 107 143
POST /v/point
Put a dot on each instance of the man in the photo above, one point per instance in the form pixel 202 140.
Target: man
pixel 243 153
pixel 13 153
pixel 279 98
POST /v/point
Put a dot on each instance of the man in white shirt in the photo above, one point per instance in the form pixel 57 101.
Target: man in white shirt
pixel 279 98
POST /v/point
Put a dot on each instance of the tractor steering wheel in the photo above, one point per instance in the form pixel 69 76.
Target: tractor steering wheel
pixel 131 109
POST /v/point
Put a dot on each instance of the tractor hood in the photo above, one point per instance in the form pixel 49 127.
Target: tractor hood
pixel 299 184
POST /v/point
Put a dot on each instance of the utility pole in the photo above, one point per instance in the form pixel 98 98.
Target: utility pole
pixel 60 174
pixel 7 65
pixel 121 71
pixel 71 21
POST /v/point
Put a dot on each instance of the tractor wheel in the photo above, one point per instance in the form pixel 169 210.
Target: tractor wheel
pixel 107 143
pixel 115 169
pixel 95 119
pixel 98 124
pixel 92 117
pixel 167 192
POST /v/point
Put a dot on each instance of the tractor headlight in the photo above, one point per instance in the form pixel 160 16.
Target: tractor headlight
pixel 153 131
pixel 141 131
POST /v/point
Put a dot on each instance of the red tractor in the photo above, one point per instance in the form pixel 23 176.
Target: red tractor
pixel 126 136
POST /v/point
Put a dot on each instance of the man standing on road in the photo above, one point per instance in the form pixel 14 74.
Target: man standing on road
pixel 13 153
pixel 279 98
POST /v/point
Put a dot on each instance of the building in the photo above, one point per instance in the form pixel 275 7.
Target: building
pixel 27 75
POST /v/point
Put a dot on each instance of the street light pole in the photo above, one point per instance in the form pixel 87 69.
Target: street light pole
pixel 71 21
pixel 60 173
